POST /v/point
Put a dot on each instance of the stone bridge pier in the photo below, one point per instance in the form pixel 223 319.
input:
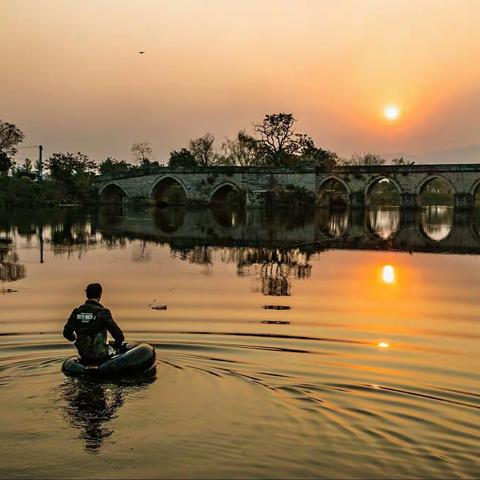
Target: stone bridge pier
pixel 350 185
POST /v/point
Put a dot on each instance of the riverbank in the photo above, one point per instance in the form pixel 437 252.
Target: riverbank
pixel 24 192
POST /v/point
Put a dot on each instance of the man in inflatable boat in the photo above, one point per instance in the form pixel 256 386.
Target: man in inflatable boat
pixel 88 325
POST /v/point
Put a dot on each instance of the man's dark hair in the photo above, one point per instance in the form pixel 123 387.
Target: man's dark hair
pixel 94 290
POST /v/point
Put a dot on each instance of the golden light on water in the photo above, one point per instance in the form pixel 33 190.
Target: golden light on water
pixel 388 274
pixel 391 112
pixel 383 344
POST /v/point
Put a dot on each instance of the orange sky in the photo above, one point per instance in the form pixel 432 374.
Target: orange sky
pixel 72 80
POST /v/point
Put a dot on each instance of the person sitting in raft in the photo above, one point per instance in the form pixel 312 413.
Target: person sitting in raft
pixel 88 325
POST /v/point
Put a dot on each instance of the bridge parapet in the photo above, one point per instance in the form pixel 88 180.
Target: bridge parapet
pixel 199 184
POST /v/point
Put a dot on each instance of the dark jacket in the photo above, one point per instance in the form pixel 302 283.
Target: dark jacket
pixel 87 327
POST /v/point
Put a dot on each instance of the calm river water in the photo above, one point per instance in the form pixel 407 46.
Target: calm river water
pixel 335 344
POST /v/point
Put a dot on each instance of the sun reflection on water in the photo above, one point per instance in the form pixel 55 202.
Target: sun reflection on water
pixel 388 274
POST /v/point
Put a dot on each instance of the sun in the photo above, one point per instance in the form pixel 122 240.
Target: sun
pixel 391 112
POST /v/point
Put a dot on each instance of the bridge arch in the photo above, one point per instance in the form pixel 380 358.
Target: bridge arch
pixel 221 192
pixel 475 192
pixel 436 177
pixel 168 190
pixel 112 193
pixel 333 191
pixel 475 224
pixel 393 199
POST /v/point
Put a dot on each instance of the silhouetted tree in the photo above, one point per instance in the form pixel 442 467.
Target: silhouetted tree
pixel 278 145
pixel 64 166
pixel 142 152
pixel 311 155
pixel 364 159
pixel 73 174
pixel 182 158
pixel 5 163
pixel 203 150
pixel 26 170
pixel 111 166
pixel 275 144
pixel 10 137
pixel 28 166
pixel 278 141
pixel 242 151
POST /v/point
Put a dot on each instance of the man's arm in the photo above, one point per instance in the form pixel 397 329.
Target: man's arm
pixel 69 328
pixel 110 324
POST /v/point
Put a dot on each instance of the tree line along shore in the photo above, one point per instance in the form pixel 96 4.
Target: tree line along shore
pixel 67 178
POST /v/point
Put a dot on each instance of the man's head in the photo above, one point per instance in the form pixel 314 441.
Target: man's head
pixel 94 291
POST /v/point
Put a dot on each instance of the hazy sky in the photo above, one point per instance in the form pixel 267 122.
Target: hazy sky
pixel 71 77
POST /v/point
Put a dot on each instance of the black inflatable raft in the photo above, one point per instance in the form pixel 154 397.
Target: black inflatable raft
pixel 135 359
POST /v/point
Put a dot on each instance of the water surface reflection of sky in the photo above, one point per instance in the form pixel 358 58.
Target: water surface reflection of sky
pixel 344 335
pixel 233 252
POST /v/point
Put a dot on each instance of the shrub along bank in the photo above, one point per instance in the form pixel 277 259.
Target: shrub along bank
pixel 23 192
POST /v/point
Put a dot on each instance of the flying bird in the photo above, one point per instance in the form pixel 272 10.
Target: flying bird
pixel 141 52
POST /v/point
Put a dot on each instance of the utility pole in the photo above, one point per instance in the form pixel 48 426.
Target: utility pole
pixel 40 163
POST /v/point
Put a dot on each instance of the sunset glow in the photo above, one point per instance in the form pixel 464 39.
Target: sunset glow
pixel 337 68
pixel 239 239
pixel 392 112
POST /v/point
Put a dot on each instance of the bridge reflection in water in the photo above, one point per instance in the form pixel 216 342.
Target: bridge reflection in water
pixel 276 247
pixel 437 229
pixel 272 247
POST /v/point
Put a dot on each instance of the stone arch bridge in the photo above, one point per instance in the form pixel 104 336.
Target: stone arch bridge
pixel 213 184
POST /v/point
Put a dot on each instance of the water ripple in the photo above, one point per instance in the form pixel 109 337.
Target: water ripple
pixel 417 421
